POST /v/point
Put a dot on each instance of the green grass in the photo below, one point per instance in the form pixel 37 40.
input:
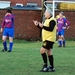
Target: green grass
pixel 26 59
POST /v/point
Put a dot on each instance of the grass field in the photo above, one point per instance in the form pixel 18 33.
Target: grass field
pixel 26 59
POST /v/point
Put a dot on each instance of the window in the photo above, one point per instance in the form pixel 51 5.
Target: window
pixel 4 4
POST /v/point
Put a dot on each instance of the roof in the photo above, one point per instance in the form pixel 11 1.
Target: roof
pixel 27 7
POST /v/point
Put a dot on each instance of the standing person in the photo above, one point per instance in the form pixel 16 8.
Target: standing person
pixel 8 30
pixel 61 26
pixel 48 38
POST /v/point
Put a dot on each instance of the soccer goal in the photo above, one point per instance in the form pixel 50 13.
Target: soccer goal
pixel 59 5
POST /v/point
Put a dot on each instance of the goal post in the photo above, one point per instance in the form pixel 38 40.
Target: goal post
pixel 54 3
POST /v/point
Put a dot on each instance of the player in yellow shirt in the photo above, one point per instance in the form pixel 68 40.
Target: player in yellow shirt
pixel 48 38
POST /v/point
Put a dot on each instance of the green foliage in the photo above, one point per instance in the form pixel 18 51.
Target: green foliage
pixel 26 59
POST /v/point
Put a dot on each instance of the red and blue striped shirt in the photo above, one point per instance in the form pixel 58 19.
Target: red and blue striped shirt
pixel 8 21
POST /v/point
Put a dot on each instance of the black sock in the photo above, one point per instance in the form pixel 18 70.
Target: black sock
pixel 51 60
pixel 44 56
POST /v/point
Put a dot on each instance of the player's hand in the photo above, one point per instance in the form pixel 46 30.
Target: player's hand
pixel 68 27
pixel 35 22
pixel 41 24
pixel 1 30
pixel 56 27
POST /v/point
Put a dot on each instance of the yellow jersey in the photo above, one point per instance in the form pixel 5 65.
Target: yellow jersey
pixel 49 35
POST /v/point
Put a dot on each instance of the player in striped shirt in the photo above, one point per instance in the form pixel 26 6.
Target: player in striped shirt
pixel 62 24
pixel 8 30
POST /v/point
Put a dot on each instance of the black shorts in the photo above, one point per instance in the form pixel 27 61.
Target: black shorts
pixel 48 44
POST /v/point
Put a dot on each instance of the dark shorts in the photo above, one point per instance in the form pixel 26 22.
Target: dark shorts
pixel 48 44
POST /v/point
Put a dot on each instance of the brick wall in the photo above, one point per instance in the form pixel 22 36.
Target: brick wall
pixel 24 2
pixel 24 27
pixel 13 2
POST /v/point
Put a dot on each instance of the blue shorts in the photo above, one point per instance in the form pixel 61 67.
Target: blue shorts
pixel 8 32
pixel 61 33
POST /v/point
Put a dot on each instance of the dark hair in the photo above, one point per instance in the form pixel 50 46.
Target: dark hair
pixel 62 13
pixel 9 11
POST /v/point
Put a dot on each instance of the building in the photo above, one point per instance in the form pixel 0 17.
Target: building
pixel 24 28
pixel 25 12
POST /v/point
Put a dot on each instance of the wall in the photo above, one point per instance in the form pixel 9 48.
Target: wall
pixel 24 2
pixel 13 2
pixel 24 27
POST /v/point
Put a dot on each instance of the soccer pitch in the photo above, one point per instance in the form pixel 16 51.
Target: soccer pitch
pixel 26 59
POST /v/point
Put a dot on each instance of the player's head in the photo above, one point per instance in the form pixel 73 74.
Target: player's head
pixel 61 14
pixel 48 13
pixel 9 11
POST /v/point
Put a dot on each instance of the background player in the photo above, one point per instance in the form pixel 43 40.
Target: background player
pixel 8 30
pixel 62 24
